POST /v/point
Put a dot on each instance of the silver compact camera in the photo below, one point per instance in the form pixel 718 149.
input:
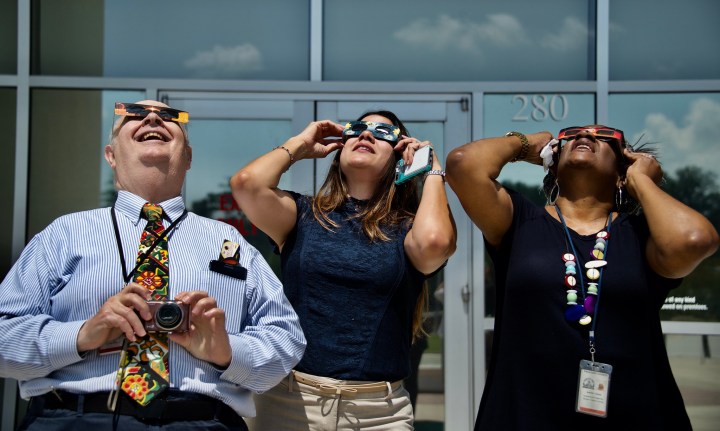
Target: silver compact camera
pixel 168 316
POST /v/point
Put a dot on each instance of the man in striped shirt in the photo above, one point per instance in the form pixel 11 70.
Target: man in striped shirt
pixel 65 305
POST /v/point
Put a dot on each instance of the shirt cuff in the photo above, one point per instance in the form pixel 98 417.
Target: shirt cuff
pixel 240 367
pixel 62 348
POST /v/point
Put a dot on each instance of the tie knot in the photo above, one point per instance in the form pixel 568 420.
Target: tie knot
pixel 152 212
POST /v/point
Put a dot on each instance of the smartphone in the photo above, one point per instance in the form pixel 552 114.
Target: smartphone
pixel 422 162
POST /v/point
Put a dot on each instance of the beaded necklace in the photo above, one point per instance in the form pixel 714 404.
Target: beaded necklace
pixel 576 312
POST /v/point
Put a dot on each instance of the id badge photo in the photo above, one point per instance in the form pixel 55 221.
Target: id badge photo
pixel 593 388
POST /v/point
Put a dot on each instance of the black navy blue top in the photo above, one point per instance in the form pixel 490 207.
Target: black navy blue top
pixel 533 375
pixel 355 298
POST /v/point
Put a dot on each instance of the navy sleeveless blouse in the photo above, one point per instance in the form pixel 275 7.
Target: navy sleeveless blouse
pixel 355 298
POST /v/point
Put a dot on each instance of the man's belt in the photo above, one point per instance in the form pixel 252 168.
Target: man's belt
pixel 172 405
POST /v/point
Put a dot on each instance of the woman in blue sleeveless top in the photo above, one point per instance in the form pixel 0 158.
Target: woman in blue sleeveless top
pixel 354 262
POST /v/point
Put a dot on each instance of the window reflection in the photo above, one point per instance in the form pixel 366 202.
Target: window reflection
pixel 8 36
pixel 664 39
pixel 684 129
pixel 530 113
pixel 64 173
pixel 7 176
pixel 221 148
pixel 695 360
pixel 230 40
pixel 458 40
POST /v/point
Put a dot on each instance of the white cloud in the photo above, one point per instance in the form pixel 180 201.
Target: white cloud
pixel 226 61
pixel 695 142
pixel 445 32
pixel 502 30
pixel 571 35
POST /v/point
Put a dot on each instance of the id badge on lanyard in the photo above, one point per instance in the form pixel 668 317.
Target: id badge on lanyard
pixel 593 388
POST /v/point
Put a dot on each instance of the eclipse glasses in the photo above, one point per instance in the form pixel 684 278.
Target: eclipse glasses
pixel 605 134
pixel 384 131
pixel 142 111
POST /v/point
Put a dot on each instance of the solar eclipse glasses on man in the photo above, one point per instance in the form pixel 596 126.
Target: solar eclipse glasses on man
pixel 142 111
pixel 384 131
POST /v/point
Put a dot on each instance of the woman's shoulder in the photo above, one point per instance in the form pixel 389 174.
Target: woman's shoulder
pixel 523 207
pixel 303 202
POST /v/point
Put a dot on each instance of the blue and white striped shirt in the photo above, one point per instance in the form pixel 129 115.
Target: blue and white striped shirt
pixel 68 271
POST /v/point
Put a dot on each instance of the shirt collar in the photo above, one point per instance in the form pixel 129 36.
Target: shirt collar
pixel 130 205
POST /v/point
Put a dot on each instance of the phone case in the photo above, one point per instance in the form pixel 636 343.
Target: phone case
pixel 422 162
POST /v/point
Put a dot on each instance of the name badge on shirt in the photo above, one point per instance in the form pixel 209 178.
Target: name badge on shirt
pixel 593 388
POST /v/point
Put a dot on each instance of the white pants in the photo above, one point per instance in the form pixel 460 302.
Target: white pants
pixel 295 406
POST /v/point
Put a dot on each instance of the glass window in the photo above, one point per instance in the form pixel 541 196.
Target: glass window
pixel 8 37
pixel 695 360
pixel 684 128
pixel 217 154
pixel 64 150
pixel 458 40
pixel 664 39
pixel 530 113
pixel 67 37
pixel 7 176
pixel 230 40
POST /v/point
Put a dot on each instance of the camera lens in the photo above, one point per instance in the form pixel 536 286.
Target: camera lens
pixel 168 316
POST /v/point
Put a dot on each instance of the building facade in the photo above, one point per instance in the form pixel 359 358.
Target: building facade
pixel 253 73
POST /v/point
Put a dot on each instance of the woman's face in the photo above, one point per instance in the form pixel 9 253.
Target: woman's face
pixel 366 154
pixel 585 149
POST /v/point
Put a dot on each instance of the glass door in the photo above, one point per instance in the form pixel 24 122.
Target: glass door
pixel 226 133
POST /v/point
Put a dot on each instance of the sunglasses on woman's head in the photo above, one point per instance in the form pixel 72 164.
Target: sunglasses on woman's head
pixel 605 134
pixel 384 131
pixel 142 111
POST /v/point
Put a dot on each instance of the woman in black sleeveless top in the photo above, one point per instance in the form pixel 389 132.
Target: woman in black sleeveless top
pixel 578 343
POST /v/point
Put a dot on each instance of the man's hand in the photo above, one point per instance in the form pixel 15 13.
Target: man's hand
pixel 117 316
pixel 207 338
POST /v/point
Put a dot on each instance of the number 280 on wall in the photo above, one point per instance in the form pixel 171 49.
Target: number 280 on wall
pixel 540 107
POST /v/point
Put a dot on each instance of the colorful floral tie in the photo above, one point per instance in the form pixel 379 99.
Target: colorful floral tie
pixel 146 372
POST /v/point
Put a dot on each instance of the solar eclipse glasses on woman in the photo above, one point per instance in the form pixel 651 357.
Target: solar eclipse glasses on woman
pixel 384 131
pixel 605 134
pixel 142 111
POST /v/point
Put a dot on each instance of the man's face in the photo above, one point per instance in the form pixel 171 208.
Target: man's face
pixel 142 143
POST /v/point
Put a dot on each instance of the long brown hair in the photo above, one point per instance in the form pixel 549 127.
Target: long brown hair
pixel 390 205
